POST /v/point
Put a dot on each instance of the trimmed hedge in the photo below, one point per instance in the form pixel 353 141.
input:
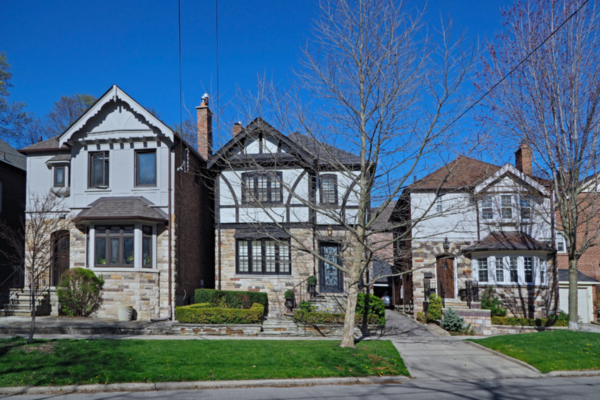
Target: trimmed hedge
pixel 371 305
pixel 231 299
pixel 200 314
pixel 327 318
pixel 528 321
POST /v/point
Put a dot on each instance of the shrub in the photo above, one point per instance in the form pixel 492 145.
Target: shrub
pixel 563 316
pixel 200 305
pixel 200 314
pixel 421 317
pixel 307 306
pixel 452 322
pixel 327 318
pixel 489 301
pixel 231 299
pixel 434 311
pixel 289 294
pixel 79 292
pixel 529 321
pixel 368 304
pixel 312 279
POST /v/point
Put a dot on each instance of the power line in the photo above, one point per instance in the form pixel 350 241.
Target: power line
pixel 180 86
pixel 516 67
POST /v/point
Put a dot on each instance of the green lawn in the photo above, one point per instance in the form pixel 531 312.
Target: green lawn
pixel 67 362
pixel 550 351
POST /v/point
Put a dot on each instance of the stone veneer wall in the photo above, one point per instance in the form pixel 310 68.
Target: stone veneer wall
pixel 303 265
pixel 520 301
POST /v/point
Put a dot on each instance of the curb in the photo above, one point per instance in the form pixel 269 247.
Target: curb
pixel 509 358
pixel 125 387
pixel 572 374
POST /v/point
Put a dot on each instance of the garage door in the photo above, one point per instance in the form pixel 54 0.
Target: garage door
pixel 582 303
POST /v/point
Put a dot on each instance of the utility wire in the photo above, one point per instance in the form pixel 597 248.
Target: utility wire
pixel 515 68
pixel 180 87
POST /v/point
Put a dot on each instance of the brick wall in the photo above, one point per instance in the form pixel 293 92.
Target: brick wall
pixel 194 224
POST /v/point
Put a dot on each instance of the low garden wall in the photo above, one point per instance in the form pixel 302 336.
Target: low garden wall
pixel 516 329
pixel 329 330
pixel 480 320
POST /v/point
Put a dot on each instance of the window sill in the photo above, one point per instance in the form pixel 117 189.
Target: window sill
pixel 98 190
pixel 144 189
pixel 125 269
pixel 511 284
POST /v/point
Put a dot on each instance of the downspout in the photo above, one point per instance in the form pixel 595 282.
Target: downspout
pixel 218 201
pixel 170 314
pixel 555 257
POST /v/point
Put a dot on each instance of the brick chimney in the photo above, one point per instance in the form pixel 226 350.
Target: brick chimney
pixel 523 159
pixel 205 135
pixel 237 128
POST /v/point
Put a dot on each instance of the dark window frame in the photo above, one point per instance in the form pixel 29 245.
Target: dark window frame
pixel 55 170
pixel 146 235
pixel 105 170
pixel 322 286
pixel 271 177
pixel 252 270
pixel 137 169
pixel 108 235
pixel 332 177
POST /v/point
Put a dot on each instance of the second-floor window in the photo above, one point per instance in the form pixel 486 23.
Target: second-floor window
pixel 486 208
pixel 506 202
pixel 59 177
pixel 98 170
pixel 328 189
pixel 261 187
pixel 525 205
pixel 145 168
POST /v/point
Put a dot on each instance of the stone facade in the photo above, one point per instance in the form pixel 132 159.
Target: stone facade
pixel 303 266
pixel 520 301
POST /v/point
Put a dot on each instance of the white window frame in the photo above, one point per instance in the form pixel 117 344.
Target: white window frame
pixel 561 239
pixel 508 207
pixel 487 203
pixel 439 207
pixel 539 269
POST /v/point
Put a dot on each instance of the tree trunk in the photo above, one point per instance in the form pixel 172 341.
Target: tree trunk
pixel 32 305
pixel 349 320
pixel 573 315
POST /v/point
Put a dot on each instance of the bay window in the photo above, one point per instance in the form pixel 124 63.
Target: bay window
pixel 482 269
pixel 499 265
pixel 511 270
pixel 114 246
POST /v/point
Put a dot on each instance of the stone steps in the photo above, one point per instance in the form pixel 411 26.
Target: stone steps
pixel 20 303
pixel 279 327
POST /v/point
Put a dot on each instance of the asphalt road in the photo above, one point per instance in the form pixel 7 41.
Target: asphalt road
pixel 510 389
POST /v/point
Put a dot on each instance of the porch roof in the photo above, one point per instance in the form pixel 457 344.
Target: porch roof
pixel 118 208
pixel 507 241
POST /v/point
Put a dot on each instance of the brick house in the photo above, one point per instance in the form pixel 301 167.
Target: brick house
pixel 265 185
pixel 142 207
pixel 13 174
pixel 483 225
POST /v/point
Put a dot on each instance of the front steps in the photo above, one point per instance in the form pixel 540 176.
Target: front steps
pixel 20 303
pixel 284 327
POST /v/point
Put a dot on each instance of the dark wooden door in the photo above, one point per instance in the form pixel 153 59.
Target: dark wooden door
pixel 62 255
pixel 445 276
pixel 331 278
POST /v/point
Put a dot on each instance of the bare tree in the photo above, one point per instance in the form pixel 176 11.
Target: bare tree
pixel 381 90
pixel 32 246
pixel 66 111
pixel 550 102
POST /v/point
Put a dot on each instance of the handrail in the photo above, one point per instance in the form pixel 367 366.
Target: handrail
pixel 301 291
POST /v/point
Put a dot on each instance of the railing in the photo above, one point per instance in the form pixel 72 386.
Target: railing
pixel 304 291
pixel 15 280
pixel 472 292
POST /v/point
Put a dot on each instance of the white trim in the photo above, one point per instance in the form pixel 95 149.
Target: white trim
pixel 538 261
pixel 112 95
pixel 510 169
pixel 110 269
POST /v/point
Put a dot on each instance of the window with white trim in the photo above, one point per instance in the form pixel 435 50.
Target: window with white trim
pixel 528 269
pixel 487 212
pixel 525 207
pixel 482 269
pixel 506 203
pixel 514 269
pixel 438 205
pixel 561 244
pixel 499 265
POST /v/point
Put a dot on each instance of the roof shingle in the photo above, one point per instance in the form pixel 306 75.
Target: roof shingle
pixel 464 172
pixel 107 208
pixel 10 156
pixel 507 241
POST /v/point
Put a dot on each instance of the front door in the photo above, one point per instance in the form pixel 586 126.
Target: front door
pixel 331 278
pixel 445 278
pixel 62 250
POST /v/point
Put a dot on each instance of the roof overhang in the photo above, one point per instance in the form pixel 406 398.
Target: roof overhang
pixel 509 169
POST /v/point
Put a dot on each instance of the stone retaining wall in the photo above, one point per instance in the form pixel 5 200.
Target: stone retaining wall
pixel 516 329
pixel 480 320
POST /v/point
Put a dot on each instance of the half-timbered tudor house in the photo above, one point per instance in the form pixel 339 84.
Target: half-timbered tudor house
pixel 484 226
pixel 143 213
pixel 279 198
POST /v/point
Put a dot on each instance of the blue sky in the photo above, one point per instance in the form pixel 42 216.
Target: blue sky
pixel 65 47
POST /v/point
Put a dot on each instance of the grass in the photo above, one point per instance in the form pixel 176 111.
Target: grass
pixel 69 362
pixel 550 351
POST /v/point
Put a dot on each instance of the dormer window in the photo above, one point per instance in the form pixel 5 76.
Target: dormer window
pixel 328 188
pixel 506 202
pixel 98 170
pixel 60 176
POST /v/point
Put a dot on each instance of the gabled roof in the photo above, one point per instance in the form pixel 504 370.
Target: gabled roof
pixel 507 241
pixel 462 173
pixel 509 169
pixel 383 221
pixel 113 94
pixel 117 208
pixel 45 145
pixel 305 147
pixel 10 156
